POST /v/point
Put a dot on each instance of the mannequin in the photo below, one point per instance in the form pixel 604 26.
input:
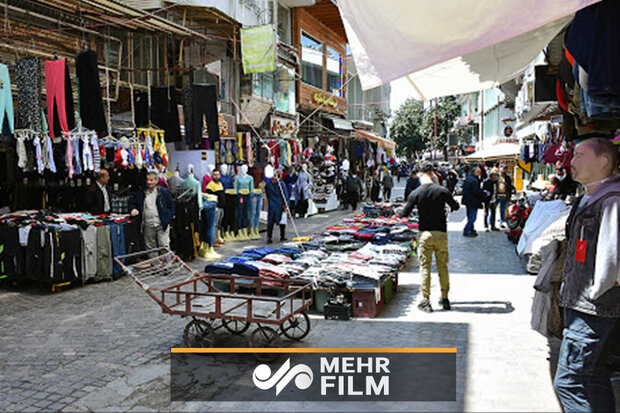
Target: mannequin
pixel 269 171
pixel 162 181
pixel 345 165
pixel 229 223
pixel 207 178
pixel 192 183
pixel 174 182
pixel 244 184
pixel 207 227
pixel 257 205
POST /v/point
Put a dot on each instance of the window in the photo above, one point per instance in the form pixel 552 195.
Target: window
pixel 334 65
pixel 311 61
pixel 262 85
pixel 284 25
pixel 285 90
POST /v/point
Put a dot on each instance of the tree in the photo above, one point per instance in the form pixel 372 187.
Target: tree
pixel 413 127
pixel 407 129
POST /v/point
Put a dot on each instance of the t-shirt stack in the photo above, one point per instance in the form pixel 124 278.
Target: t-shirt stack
pixel 359 256
pixel 55 248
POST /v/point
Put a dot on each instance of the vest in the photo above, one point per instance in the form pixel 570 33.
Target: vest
pixel 584 224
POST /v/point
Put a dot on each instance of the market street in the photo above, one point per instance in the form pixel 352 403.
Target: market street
pixel 106 346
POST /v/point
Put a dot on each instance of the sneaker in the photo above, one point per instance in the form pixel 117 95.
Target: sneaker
pixel 494 229
pixel 283 239
pixel 269 241
pixel 425 306
pixel 445 304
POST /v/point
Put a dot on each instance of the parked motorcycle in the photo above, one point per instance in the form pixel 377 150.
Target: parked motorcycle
pixel 518 213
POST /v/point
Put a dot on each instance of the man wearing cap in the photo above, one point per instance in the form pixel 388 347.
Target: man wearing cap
pixel 567 185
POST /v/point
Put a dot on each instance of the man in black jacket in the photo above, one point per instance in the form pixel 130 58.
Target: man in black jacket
pixel 431 200
pixel 98 201
pixel 567 185
pixel 472 199
pixel 413 182
pixel 354 189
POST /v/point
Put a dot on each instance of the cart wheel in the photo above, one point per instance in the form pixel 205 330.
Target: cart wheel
pixel 198 333
pixel 296 327
pixel 236 326
pixel 265 337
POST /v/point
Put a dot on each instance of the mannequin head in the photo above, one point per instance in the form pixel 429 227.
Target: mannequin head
pixel 304 167
pixel 268 171
pixel 243 170
pixel 224 169
pixel 210 169
pixel 190 170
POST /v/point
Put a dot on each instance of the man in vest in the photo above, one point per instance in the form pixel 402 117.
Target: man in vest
pixel 590 292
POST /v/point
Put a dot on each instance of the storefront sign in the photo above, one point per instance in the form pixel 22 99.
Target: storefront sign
pixel 508 131
pixel 321 98
pixel 283 127
pixel 258 49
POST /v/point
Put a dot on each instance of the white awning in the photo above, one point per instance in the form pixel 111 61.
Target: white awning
pixel 449 47
pixel 499 151
pixel 341 124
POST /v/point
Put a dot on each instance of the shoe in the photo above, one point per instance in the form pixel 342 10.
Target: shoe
pixel 212 255
pixel 283 239
pixel 489 229
pixel 269 241
pixel 494 229
pixel 469 235
pixel 425 306
pixel 445 304
pixel 202 251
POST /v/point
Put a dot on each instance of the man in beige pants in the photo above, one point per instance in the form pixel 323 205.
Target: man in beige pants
pixel 431 200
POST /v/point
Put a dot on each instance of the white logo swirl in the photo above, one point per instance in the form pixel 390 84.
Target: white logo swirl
pixel 264 380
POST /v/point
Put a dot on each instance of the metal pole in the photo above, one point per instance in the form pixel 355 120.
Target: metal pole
pixel 481 137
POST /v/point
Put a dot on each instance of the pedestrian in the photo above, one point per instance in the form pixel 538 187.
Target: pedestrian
pixel 354 187
pixel 413 182
pixel 153 209
pixel 489 187
pixel 277 197
pixel 304 191
pixel 472 199
pixel 505 190
pixel 451 180
pixel 388 184
pixel 567 185
pixel 98 197
pixel 375 186
pixel 431 200
pixel 590 291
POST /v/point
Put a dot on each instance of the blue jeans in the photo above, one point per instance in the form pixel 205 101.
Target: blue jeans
pixel 243 210
pixel 503 204
pixel 207 223
pixel 582 380
pixel 472 214
pixel 117 236
pixel 256 204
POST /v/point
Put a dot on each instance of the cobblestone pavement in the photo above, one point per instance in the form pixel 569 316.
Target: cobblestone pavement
pixel 105 347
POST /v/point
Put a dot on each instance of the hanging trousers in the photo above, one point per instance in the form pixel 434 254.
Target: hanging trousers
pixel 243 210
pixel 89 89
pixel 230 214
pixel 28 76
pixel 59 97
pixel 204 103
pixel 6 100
pixel 165 111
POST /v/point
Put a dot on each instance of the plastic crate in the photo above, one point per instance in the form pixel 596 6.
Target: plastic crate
pixel 338 311
pixel 365 305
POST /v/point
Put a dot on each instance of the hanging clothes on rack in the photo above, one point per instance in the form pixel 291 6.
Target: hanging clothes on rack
pixel 165 112
pixel 6 102
pixel 28 76
pixel 204 105
pixel 89 89
pixel 59 97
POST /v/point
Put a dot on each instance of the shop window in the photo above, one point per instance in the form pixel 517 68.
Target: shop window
pixel 268 86
pixel 311 61
pixel 284 25
pixel 284 97
pixel 334 72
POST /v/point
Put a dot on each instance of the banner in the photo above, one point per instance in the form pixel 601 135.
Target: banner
pixel 258 49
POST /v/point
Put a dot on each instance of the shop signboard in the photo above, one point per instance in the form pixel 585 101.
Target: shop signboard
pixel 258 49
pixel 283 127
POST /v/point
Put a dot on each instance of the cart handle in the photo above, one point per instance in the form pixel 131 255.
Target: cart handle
pixel 134 254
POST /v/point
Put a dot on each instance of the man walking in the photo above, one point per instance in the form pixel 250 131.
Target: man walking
pixel 277 197
pixel 413 182
pixel 472 199
pixel 354 188
pixel 153 209
pixel 431 200
pixel 98 201
pixel 590 292
pixel 489 187
pixel 388 184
